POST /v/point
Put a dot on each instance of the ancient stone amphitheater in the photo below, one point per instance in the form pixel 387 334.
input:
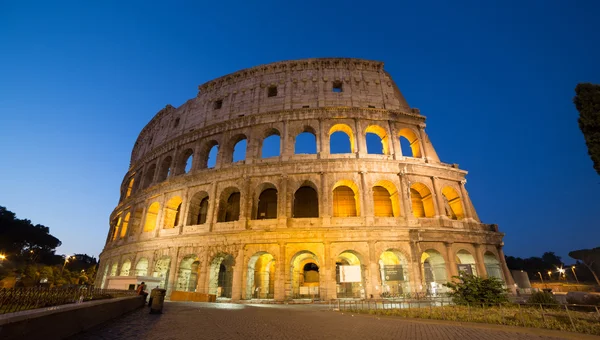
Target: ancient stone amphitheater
pixel 241 193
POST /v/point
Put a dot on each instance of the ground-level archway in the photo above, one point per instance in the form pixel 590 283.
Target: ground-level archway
pixel 349 275
pixel 492 266
pixel 260 281
pixel 187 276
pixel 304 273
pixel 395 275
pixel 221 275
pixel 434 272
pixel 465 262
pixel 161 270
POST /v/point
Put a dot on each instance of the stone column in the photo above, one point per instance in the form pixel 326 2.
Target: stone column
pixel 327 282
pixel 405 196
pixel 213 200
pixel 374 285
pixel 479 263
pixel 366 209
pixel 282 204
pixel 236 289
pixel 439 201
pixel 507 275
pixel 323 142
pixel 395 148
pixel 422 137
pixel 285 153
pixel 451 267
pixel 417 281
pixel 160 216
pixel 324 204
pixel 246 199
pixel 360 142
pixel 464 200
pixel 281 281
pixel 172 271
pixel 203 277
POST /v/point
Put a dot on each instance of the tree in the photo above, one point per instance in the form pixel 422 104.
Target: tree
pixel 474 290
pixel 590 258
pixel 587 102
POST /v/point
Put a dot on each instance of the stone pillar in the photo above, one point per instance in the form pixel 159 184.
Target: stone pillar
pixel 285 153
pixel 417 281
pixel 160 216
pixel 395 148
pixel 360 142
pixel 439 200
pixel 451 267
pixel 405 196
pixel 281 281
pixel 323 142
pixel 479 263
pixel 211 214
pixel 282 204
pixel 201 285
pixel 464 200
pixel 173 266
pixel 366 209
pixel 374 284
pixel 246 200
pixel 507 275
pixel 327 282
pixel 422 137
pixel 236 289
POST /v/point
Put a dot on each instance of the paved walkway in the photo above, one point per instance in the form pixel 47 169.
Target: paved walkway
pixel 182 320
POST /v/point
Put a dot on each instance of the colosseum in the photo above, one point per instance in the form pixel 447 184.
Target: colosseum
pixel 240 192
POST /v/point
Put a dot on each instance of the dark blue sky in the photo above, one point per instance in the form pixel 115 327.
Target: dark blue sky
pixel 78 81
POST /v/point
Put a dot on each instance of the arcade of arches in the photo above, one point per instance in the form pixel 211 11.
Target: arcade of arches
pixel 354 272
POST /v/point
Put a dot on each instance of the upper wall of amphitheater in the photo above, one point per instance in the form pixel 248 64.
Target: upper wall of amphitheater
pixel 305 85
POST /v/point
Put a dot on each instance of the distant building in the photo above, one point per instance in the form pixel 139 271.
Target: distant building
pixel 303 221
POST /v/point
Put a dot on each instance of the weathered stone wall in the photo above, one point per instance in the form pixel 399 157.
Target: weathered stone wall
pixel 432 217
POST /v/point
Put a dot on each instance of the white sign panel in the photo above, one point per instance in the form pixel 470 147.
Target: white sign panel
pixel 350 274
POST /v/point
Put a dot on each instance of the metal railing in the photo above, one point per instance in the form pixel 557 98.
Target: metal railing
pixel 569 317
pixel 19 299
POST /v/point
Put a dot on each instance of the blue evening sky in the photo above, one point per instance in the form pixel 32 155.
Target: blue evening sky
pixel 80 79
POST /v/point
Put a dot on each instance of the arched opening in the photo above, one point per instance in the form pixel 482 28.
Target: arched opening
pixel 229 206
pixel 305 275
pixel 377 140
pixel 115 234
pixel 211 162
pixel 409 142
pixel 186 161
pixel 267 204
pixel 239 150
pixel 395 273
pixel 172 212
pixel 306 202
pixel 221 275
pixel 306 142
pixel 422 201
pixel 385 200
pixel 125 268
pixel 138 214
pixel 141 269
pixel 492 266
pixel 345 203
pixel 129 187
pixel 125 225
pixel 465 262
pixel 271 146
pixel 161 270
pixel 433 268
pixel 452 204
pixel 165 169
pixel 113 269
pixel 151 217
pixel 349 275
pixel 187 276
pixel 149 177
pixel 103 282
pixel 341 139
pixel 260 280
pixel 198 210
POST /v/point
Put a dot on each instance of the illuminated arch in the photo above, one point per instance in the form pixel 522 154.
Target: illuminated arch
pixel 187 275
pixel 383 137
pixel 492 266
pixel 386 200
pixel 221 275
pixel 172 212
pixel 260 279
pixel 306 201
pixel 229 205
pixel 141 268
pixel 346 199
pixel 198 209
pixel 265 206
pixel 152 217
pixel 466 262
pixel 125 225
pixel 305 275
pixel 452 204
pixel 129 187
pixel 413 141
pixel 433 267
pixel 394 271
pixel 349 282
pixel 346 130
pixel 125 268
pixel 422 200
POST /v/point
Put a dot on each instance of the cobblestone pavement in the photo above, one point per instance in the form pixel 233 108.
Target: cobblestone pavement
pixel 182 320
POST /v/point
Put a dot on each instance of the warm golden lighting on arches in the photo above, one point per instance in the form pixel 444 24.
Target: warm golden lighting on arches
pixel 116 230
pixel 151 216
pixel 422 200
pixel 172 212
pixel 129 188
pixel 386 202
pixel 452 204
pixel 382 134
pixel 345 199
pixel 125 225
pixel 348 131
pixel 413 140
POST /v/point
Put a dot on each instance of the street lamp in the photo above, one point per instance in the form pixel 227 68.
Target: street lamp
pixel 573 270
pixel 541 278
pixel 2 257
pixel 64 264
pixel 550 275
pixel 562 272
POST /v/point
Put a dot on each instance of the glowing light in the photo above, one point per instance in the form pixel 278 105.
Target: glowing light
pixel 2 257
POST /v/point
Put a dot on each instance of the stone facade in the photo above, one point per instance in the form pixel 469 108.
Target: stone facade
pixel 330 225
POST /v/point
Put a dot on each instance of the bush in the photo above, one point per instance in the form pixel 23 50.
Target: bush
pixel 543 298
pixel 473 290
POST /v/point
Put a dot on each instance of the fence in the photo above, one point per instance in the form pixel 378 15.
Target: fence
pixel 18 299
pixel 569 317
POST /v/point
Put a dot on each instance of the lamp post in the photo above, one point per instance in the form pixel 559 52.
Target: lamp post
pixel 573 270
pixel 2 257
pixel 541 278
pixel 561 272
pixel 550 275
pixel 64 264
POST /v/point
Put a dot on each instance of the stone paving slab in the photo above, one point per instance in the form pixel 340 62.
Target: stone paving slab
pixel 184 320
